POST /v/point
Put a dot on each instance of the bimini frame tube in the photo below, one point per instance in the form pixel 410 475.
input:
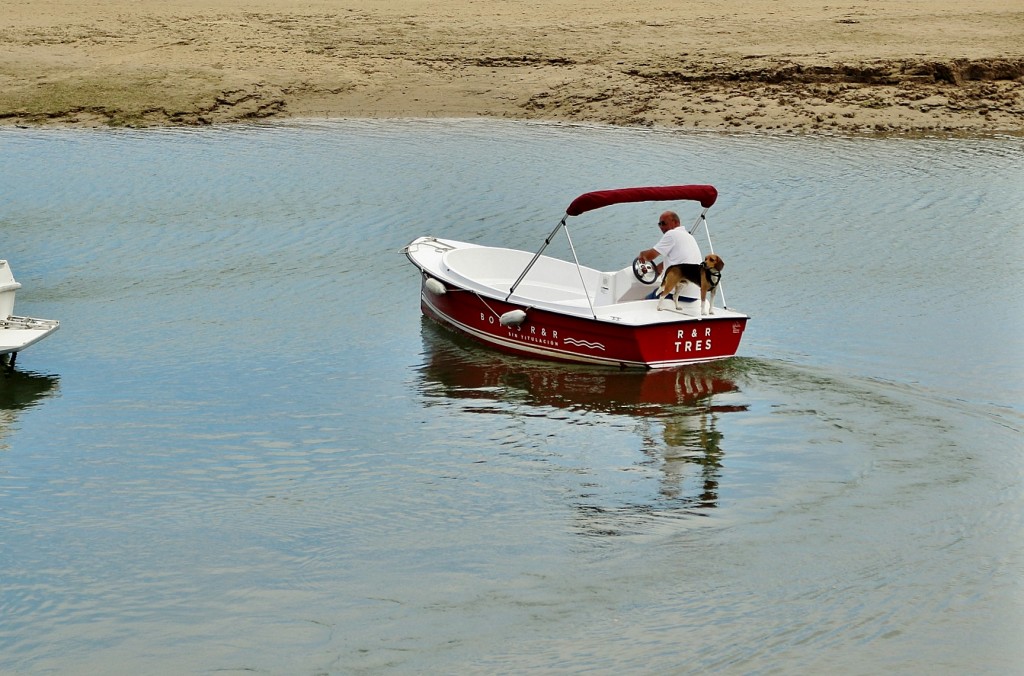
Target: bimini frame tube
pixel 561 224
pixel 705 194
pixel 696 224
pixel 579 270
pixel 711 247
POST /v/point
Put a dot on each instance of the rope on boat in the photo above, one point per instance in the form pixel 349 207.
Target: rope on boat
pixel 481 299
pixel 443 247
pixel 501 318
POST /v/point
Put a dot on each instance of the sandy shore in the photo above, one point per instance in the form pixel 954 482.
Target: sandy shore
pixel 853 67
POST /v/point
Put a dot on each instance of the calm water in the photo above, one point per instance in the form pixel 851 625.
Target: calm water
pixel 245 451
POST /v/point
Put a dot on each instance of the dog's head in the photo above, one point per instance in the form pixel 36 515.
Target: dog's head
pixel 714 262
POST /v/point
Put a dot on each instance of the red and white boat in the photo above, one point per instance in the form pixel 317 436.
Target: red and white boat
pixel 539 306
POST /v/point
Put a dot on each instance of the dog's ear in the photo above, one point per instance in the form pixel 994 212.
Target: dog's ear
pixel 720 264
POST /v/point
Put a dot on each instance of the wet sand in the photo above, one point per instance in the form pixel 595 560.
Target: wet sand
pixel 860 67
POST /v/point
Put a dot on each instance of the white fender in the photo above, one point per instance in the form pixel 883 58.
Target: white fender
pixel 435 287
pixel 513 318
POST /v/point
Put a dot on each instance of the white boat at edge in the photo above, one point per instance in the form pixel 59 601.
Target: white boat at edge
pixel 17 332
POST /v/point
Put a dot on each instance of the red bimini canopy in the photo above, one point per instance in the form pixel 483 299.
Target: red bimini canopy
pixel 705 194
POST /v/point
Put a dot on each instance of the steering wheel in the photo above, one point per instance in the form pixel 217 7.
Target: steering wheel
pixel 645 271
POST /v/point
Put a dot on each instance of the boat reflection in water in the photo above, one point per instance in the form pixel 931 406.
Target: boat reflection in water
pixel 675 412
pixel 20 390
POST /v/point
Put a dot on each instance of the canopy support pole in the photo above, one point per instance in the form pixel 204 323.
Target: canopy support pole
pixel 696 224
pixel 711 248
pixel 579 270
pixel 547 241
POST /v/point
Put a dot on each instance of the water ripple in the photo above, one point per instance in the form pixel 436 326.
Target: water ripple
pixel 246 450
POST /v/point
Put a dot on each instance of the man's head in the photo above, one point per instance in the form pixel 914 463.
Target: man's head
pixel 668 220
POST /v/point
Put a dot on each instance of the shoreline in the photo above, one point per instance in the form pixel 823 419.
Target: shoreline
pixel 911 67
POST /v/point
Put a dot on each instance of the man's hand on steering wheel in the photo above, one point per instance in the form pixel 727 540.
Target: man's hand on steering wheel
pixel 645 271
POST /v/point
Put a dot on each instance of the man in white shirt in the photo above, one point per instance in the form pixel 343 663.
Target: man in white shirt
pixel 675 246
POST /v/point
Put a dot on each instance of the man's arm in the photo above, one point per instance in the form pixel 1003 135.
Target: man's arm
pixel 650 255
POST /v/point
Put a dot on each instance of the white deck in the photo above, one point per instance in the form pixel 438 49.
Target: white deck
pixel 17 333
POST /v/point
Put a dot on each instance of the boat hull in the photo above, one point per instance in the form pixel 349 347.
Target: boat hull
pixel 551 335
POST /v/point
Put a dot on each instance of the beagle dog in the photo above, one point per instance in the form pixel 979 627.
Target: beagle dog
pixel 706 274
